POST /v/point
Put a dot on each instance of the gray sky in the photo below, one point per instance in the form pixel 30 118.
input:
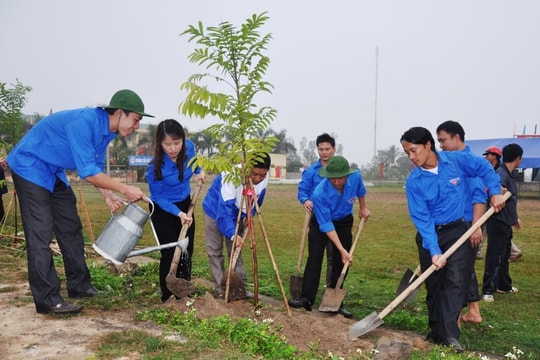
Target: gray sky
pixel 476 62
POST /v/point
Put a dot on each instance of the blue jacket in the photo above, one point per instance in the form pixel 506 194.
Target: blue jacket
pixel 435 199
pixel 329 204
pixel 476 194
pixel 310 180
pixel 222 203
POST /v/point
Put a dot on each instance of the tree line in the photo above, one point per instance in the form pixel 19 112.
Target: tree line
pixel 388 164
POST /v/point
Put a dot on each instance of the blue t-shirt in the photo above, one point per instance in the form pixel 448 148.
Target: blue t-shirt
pixel 170 189
pixel 66 140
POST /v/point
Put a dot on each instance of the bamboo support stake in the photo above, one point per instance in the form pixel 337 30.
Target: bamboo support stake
pixel 276 271
pixel 86 216
pixel 6 214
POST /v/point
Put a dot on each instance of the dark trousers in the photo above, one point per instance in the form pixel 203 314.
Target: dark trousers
pixel 496 270
pixel 317 242
pixel 44 214
pixel 473 294
pixel 168 229
pixel 446 288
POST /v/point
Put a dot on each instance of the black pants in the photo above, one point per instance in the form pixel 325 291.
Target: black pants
pixel 168 229
pixel 496 270
pixel 44 214
pixel 473 294
pixel 317 242
pixel 446 288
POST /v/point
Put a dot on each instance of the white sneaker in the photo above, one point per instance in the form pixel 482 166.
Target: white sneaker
pixel 512 290
pixel 488 298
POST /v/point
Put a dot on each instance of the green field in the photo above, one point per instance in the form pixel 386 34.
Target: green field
pixel 385 250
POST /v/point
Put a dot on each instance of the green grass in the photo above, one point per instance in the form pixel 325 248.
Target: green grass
pixel 385 250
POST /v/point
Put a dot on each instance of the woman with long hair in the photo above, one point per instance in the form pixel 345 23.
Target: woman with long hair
pixel 168 176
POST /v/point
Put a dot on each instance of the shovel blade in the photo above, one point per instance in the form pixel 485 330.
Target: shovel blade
pixel 406 280
pixel 296 287
pixel 332 300
pixel 359 328
pixel 179 287
pixel 237 289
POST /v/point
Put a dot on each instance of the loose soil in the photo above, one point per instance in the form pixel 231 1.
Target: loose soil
pixel 24 334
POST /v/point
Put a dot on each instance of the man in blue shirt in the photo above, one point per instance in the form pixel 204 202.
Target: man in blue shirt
pixel 333 205
pixel 67 140
pixel 451 137
pixel 326 147
pixel 436 197
pixel 221 206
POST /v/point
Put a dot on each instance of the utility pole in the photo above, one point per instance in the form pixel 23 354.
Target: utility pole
pixel 376 94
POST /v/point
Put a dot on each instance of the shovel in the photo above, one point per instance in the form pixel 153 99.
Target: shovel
pixel 296 280
pixel 374 320
pixel 178 286
pixel 333 298
pixel 407 279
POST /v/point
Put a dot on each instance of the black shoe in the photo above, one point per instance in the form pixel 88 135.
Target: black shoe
pixel 344 312
pixel 91 291
pixel 454 344
pixel 433 339
pixel 301 303
pixel 62 309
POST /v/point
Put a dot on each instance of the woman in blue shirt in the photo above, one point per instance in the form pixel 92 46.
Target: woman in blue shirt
pixel 168 176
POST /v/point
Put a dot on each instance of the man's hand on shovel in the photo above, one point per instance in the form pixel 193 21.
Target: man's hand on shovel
pixel 438 261
pixel 345 256
pixel 185 219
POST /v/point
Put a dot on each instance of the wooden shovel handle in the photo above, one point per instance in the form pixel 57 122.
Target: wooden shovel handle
pixel 346 266
pixel 409 290
pixel 305 226
pixel 183 232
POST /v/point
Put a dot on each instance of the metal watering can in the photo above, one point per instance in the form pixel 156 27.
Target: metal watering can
pixel 123 231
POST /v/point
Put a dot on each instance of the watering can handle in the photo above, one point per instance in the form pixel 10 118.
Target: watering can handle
pixel 150 215
pixel 129 202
